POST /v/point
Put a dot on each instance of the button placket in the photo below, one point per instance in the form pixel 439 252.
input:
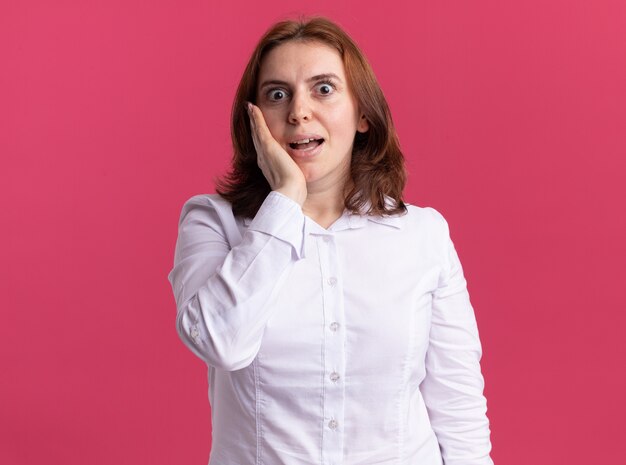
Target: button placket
pixel 334 355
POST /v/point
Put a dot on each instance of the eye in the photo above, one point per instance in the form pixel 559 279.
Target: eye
pixel 326 87
pixel 276 95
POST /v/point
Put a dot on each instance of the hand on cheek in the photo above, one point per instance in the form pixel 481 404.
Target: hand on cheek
pixel 282 173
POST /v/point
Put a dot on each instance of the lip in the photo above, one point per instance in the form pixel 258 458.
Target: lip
pixel 298 137
pixel 307 153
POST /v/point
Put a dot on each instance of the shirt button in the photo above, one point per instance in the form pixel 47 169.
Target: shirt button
pixel 334 326
pixel 334 376
pixel 327 239
pixel 332 281
pixel 332 424
pixel 195 334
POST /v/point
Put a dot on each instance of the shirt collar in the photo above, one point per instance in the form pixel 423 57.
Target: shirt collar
pixel 359 221
pixel 349 220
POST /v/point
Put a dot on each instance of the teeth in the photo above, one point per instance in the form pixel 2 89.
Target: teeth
pixel 303 141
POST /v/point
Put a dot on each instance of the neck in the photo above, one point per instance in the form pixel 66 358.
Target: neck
pixel 324 206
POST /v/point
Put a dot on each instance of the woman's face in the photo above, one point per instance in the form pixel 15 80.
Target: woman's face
pixel 303 94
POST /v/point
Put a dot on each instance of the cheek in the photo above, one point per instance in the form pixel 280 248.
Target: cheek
pixel 344 119
pixel 344 129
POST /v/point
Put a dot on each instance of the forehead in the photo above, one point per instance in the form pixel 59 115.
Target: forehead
pixel 300 60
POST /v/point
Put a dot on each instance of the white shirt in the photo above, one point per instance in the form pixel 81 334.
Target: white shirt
pixel 352 345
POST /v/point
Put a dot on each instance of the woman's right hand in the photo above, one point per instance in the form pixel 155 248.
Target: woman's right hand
pixel 282 173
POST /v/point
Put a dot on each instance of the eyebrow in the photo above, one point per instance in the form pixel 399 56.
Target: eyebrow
pixel 317 77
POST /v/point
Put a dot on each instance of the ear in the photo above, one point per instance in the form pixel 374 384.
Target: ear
pixel 363 124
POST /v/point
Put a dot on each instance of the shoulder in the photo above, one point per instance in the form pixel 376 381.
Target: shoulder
pixel 206 209
pixel 427 225
pixel 425 218
pixel 209 215
pixel 428 229
pixel 416 219
pixel 206 202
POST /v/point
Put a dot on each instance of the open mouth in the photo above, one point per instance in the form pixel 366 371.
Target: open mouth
pixel 306 145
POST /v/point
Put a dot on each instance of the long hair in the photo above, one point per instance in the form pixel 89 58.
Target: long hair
pixel 377 164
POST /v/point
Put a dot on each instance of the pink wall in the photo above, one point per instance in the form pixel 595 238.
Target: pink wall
pixel 512 118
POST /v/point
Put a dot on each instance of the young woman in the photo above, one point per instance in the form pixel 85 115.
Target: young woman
pixel 334 318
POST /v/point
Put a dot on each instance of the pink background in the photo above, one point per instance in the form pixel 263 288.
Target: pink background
pixel 512 116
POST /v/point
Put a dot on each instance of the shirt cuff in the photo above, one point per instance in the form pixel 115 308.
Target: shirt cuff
pixel 282 218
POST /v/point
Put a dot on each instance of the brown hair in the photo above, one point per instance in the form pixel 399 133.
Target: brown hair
pixel 377 164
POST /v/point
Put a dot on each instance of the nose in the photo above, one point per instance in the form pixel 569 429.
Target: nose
pixel 300 108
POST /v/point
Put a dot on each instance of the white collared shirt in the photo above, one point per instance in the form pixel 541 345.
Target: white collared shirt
pixel 351 345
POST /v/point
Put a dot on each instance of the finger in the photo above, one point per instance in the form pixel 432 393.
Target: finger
pixel 253 129
pixel 250 116
pixel 259 123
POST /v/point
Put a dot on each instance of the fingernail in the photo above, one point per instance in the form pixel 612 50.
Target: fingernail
pixel 249 106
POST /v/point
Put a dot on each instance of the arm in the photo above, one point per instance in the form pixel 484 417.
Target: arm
pixel 222 294
pixel 453 386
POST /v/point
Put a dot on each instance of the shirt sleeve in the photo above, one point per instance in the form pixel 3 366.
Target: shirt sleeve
pixel 453 385
pixel 222 293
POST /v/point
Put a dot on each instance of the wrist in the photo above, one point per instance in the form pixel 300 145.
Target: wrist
pixel 297 194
